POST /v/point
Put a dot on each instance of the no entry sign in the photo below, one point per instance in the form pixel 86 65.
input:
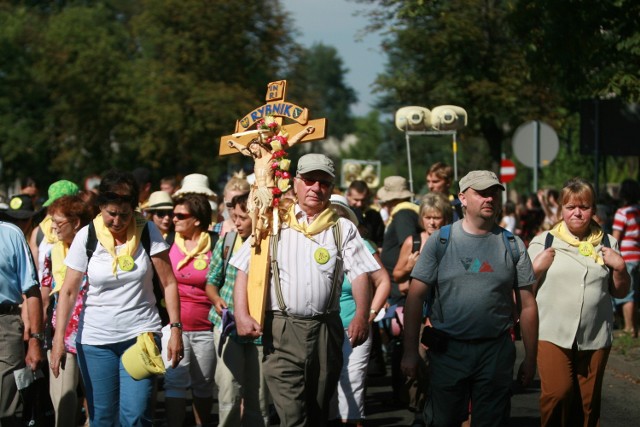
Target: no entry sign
pixel 507 170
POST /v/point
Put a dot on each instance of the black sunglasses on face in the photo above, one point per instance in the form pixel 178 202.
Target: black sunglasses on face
pixel 182 216
pixel 311 182
pixel 163 214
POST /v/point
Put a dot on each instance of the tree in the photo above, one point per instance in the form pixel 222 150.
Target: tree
pixel 317 78
pixel 459 52
pixel 86 86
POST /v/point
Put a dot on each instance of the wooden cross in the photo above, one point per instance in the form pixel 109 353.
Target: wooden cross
pixel 251 142
pixel 276 106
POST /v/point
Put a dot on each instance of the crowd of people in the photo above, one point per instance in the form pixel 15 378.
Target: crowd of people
pixel 117 287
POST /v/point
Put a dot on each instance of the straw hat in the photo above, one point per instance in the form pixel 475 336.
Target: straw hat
pixel 195 183
pixel 159 200
pixel 143 359
pixel 395 187
pixel 341 201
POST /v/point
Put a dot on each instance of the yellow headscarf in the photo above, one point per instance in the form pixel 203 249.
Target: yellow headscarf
pixel 134 231
pixel 326 219
pixel 200 251
pixel 45 226
pixel 58 267
pixel 587 246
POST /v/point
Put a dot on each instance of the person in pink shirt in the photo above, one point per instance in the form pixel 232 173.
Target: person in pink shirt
pixel 190 255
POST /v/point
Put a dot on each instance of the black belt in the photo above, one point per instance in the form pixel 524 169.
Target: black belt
pixel 9 309
pixel 478 340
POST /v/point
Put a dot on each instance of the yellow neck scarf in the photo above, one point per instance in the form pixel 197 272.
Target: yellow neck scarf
pixel 45 226
pixel 58 268
pixel 585 247
pixel 326 219
pixel 108 242
pixel 199 251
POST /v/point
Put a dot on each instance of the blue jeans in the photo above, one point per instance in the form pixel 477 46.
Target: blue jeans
pixel 112 394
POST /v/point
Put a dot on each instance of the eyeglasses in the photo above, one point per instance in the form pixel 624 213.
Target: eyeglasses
pixel 181 216
pixel 59 224
pixel 163 214
pixel 311 182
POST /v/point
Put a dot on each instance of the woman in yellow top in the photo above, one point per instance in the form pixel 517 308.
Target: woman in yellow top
pixel 119 305
pixel 577 275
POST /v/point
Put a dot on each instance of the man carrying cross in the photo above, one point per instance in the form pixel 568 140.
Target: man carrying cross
pixel 302 329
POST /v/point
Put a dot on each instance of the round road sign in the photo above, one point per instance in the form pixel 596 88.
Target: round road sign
pixel 507 171
pixel 535 139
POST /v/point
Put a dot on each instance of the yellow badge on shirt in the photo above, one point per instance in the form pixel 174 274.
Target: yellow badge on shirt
pixel 199 264
pixel 321 255
pixel 585 248
pixel 125 262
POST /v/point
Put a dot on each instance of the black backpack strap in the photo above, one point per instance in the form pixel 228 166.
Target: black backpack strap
pixel 39 236
pixel 548 240
pixel 512 246
pixel 214 238
pixel 445 232
pixel 227 249
pixel 92 241
pixel 145 240
pixel 171 237
pixel 605 241
pixel 417 242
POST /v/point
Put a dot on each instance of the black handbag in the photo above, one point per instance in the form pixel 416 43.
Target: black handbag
pixel 434 339
pixel 37 409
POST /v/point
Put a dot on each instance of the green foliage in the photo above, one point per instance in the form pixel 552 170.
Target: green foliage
pixel 318 73
pixel 87 86
pixel 507 62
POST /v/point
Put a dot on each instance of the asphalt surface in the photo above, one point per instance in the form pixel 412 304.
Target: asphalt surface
pixel 620 399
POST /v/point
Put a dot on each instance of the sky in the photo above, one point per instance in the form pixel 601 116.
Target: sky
pixel 332 23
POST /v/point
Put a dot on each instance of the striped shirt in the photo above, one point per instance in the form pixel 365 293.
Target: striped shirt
pixel 305 283
pixel 627 221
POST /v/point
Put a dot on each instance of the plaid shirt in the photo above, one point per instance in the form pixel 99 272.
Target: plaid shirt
pixel 225 287
pixel 224 282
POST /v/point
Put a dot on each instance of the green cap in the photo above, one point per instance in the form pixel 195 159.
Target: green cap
pixel 59 189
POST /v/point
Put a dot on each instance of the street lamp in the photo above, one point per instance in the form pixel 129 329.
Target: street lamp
pixel 442 120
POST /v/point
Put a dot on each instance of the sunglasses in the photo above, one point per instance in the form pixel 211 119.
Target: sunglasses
pixel 311 182
pixel 181 216
pixel 163 214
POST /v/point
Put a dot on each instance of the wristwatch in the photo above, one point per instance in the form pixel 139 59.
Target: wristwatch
pixel 176 325
pixel 373 311
pixel 37 335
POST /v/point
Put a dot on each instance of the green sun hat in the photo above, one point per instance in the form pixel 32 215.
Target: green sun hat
pixel 59 189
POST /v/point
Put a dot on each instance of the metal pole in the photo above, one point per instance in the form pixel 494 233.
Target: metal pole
pixel 407 138
pixel 455 157
pixel 536 154
pixel 596 146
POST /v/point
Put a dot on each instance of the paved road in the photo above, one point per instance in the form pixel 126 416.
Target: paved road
pixel 620 403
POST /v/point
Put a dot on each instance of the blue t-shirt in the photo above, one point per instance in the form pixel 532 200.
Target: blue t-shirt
pixel 347 303
pixel 18 273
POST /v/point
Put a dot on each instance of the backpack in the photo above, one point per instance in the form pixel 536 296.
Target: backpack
pixel 507 236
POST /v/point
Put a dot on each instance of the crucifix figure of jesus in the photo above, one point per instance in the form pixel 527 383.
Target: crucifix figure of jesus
pixel 261 195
